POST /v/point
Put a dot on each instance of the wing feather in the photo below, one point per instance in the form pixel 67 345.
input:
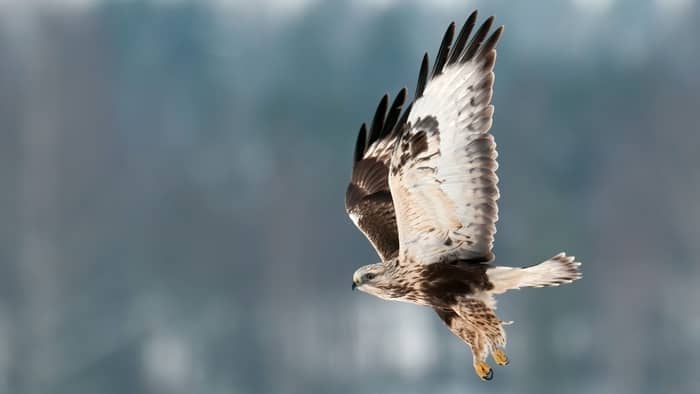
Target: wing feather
pixel 422 76
pixel 443 168
pixel 457 48
pixel 444 50
pixel 368 199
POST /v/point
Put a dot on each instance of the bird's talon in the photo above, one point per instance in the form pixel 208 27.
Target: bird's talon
pixel 483 370
pixel 499 356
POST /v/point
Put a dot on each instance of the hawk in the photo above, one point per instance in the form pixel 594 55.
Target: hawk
pixel 424 189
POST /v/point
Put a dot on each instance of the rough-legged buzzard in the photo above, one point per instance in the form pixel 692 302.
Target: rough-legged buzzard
pixel 424 191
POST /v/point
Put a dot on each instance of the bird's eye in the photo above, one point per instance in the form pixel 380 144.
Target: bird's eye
pixel 368 277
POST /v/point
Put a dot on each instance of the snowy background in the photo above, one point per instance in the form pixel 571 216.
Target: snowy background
pixel 173 173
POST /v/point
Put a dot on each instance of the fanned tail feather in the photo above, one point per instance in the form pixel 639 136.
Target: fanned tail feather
pixel 557 270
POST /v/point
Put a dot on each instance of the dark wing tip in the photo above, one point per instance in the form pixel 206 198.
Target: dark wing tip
pixel 450 52
pixel 491 41
pixel 360 144
pixel 422 76
pixel 394 112
pixel 402 93
pixel 404 118
pixel 378 121
pixel 444 50
pixel 478 38
pixel 461 41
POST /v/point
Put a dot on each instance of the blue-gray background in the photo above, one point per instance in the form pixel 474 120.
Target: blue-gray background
pixel 173 172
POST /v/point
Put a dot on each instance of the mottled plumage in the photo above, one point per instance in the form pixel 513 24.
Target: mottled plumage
pixel 424 191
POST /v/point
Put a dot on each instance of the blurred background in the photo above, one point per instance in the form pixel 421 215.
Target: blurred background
pixel 173 178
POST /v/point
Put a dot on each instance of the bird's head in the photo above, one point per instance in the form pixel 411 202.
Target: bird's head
pixel 372 279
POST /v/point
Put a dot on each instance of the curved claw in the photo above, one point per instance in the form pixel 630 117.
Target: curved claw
pixel 483 370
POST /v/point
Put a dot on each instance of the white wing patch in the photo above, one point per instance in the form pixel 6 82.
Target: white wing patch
pixel 355 217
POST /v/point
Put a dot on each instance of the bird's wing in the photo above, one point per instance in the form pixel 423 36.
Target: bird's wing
pixel 368 199
pixel 443 168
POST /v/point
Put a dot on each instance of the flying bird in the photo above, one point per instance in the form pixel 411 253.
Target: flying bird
pixel 424 190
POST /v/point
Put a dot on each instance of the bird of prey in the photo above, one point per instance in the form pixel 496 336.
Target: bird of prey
pixel 424 191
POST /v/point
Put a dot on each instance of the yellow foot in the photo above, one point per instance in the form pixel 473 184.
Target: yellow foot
pixel 483 370
pixel 499 356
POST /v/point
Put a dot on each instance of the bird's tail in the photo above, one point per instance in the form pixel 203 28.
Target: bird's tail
pixel 553 272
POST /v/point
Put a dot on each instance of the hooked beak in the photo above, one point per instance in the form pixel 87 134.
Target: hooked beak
pixel 354 286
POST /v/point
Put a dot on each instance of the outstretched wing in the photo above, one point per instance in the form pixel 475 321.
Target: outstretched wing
pixel 443 168
pixel 368 199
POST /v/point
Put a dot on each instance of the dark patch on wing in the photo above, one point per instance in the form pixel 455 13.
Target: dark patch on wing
pixel 414 142
pixel 419 143
pixel 428 124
